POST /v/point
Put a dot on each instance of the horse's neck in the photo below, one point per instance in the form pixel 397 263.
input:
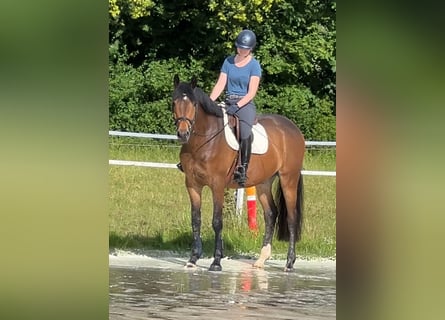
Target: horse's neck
pixel 207 127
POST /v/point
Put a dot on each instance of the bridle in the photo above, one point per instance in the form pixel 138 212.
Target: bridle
pixel 183 117
pixel 184 135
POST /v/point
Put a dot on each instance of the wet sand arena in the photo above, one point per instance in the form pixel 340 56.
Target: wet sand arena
pixel 144 287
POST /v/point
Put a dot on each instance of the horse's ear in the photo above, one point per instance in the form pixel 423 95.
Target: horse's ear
pixel 176 80
pixel 194 82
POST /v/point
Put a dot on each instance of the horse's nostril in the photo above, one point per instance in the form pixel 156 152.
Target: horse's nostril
pixel 183 136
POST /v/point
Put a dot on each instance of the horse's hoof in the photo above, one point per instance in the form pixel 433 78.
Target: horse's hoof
pixel 190 265
pixel 215 267
pixel 287 269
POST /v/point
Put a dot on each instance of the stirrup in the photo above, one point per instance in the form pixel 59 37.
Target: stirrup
pixel 240 175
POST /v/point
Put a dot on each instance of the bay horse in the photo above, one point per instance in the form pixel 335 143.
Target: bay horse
pixel 207 160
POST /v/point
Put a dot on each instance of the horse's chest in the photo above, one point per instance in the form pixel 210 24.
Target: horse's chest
pixel 199 171
pixel 193 168
pixel 199 175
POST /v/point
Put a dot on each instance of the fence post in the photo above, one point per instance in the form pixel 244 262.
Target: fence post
pixel 239 196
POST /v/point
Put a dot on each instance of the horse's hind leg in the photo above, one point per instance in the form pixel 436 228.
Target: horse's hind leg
pixel 289 207
pixel 264 193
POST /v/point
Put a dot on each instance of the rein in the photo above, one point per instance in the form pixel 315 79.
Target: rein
pixel 209 134
pixel 213 136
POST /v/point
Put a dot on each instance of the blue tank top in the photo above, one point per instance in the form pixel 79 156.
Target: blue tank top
pixel 238 77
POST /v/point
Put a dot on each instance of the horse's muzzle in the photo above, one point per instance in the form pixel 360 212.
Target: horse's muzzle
pixel 183 129
pixel 183 136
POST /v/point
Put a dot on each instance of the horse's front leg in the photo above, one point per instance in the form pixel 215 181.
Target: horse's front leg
pixel 195 199
pixel 217 224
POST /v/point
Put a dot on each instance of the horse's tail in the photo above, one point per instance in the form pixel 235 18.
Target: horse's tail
pixel 283 229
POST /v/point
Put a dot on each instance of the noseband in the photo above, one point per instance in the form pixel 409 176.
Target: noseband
pixel 190 122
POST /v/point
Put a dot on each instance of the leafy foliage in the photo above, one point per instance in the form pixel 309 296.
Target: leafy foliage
pixel 151 40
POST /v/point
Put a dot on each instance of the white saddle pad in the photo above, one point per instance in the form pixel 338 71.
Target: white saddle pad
pixel 260 141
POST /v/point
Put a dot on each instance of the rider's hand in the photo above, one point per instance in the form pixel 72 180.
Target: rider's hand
pixel 232 109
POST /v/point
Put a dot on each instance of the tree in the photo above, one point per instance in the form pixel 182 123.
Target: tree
pixel 296 48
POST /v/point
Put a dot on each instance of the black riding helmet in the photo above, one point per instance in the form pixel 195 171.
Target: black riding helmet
pixel 246 40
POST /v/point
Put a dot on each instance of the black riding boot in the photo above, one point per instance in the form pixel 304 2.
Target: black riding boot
pixel 245 151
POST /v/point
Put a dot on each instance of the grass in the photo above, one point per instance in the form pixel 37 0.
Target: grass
pixel 150 209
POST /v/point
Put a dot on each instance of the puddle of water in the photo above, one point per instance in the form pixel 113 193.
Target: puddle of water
pixel 154 293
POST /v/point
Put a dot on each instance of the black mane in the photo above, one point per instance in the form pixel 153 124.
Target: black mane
pixel 207 104
pixel 197 95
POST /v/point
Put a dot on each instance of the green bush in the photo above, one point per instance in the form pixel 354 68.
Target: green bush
pixel 140 98
pixel 296 46
pixel 312 114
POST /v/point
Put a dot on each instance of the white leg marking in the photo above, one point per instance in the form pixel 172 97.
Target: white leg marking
pixel 264 255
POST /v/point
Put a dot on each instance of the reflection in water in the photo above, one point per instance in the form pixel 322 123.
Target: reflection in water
pixel 145 293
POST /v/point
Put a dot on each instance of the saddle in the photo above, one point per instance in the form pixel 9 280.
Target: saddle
pixel 260 142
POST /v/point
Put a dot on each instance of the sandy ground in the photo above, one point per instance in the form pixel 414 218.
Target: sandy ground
pixel 170 260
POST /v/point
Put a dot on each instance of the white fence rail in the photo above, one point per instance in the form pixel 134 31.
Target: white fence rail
pixel 173 137
pixel 172 165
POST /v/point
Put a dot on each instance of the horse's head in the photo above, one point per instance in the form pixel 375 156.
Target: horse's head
pixel 184 108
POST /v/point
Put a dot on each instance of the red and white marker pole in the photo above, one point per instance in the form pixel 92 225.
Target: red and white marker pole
pixel 251 208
